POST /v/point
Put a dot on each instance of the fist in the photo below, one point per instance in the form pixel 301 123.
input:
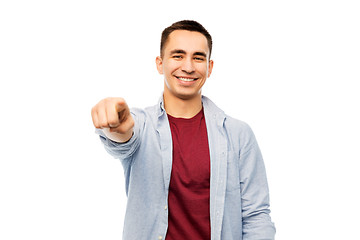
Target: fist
pixel 113 115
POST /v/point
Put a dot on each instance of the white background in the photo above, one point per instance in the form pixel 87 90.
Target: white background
pixel 288 68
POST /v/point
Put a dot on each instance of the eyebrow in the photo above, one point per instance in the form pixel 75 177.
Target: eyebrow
pixel 177 51
pixel 180 51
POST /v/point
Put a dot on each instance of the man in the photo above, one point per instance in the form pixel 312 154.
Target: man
pixel 191 171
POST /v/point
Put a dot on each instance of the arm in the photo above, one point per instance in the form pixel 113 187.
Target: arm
pixel 255 194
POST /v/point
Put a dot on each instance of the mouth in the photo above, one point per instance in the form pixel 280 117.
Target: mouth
pixel 187 79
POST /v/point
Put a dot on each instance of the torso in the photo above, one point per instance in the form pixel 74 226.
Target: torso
pixel 189 191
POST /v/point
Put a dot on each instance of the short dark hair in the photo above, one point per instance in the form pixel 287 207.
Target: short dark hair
pixel 189 25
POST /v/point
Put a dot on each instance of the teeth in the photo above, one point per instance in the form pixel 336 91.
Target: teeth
pixel 186 79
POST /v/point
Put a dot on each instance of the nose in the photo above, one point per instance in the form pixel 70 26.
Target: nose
pixel 187 66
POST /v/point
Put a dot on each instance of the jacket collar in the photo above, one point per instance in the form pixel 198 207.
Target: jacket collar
pixel 210 109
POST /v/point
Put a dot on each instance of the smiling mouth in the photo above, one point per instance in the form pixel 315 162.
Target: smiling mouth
pixel 187 79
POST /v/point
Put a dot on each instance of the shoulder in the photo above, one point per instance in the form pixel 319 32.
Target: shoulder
pixel 138 113
pixel 145 112
pixel 148 115
pixel 232 124
pixel 239 131
pixel 238 126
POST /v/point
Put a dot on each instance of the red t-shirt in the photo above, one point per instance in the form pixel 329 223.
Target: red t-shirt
pixel 189 192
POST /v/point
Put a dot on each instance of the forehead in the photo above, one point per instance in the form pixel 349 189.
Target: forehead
pixel 189 41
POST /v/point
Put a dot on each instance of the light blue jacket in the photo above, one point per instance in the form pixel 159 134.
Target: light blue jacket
pixel 239 196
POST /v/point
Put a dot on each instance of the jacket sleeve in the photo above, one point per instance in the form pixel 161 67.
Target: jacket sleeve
pixel 124 151
pixel 257 223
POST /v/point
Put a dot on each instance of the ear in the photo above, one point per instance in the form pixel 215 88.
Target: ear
pixel 211 65
pixel 159 65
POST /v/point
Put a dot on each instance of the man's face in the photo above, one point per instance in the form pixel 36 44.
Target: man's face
pixel 185 64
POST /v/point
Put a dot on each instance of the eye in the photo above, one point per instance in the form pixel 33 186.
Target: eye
pixel 177 56
pixel 199 59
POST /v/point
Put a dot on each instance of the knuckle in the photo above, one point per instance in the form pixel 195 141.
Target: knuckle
pixel 106 101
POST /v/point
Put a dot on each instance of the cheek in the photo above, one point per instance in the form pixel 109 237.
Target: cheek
pixel 204 70
pixel 167 68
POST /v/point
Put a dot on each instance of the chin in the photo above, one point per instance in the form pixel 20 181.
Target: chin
pixel 188 96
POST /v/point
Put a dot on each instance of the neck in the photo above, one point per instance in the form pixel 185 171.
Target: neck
pixel 182 108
